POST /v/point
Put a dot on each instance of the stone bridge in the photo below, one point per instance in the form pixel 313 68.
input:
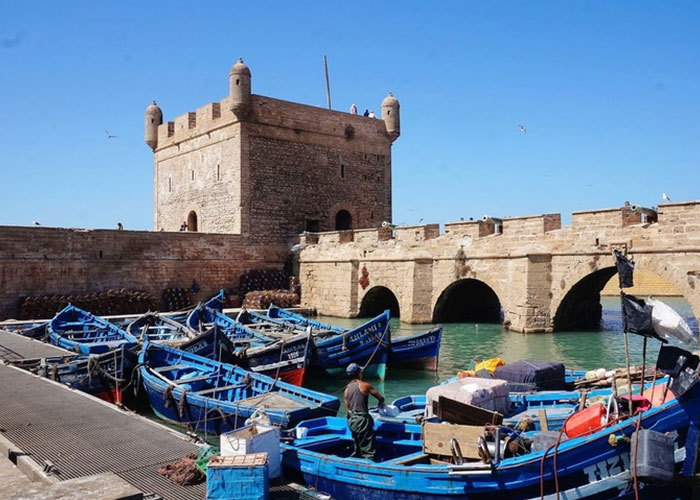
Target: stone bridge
pixel 531 273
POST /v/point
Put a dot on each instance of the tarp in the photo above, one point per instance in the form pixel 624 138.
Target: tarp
pixel 489 365
pixel 625 270
pixel 530 375
pixel 488 394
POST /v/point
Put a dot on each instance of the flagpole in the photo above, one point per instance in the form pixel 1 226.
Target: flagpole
pixel 644 362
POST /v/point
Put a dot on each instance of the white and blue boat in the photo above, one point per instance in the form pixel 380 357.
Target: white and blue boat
pixel 160 329
pixel 206 395
pixel 279 356
pixel 82 332
pixel 334 347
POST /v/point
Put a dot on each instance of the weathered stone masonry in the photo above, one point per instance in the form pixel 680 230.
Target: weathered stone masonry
pixel 269 168
pixel 544 276
pixel 41 260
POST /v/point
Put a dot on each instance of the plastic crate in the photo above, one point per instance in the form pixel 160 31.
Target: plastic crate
pixel 239 477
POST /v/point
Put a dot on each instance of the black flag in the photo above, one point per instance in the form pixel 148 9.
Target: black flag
pixel 636 314
pixel 625 270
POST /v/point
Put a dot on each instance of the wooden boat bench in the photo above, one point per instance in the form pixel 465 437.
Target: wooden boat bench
pixel 219 389
pixel 181 381
pixel 162 369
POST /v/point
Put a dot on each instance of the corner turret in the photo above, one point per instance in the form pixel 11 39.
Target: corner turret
pixel 390 115
pixel 239 85
pixel 153 118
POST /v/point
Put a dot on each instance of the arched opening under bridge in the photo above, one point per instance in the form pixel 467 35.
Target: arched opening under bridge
pixel 377 300
pixel 581 309
pixel 582 306
pixel 468 301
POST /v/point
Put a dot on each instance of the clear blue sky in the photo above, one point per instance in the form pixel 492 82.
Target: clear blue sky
pixel 609 93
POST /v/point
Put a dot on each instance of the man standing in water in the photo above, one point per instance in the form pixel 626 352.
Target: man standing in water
pixel 359 420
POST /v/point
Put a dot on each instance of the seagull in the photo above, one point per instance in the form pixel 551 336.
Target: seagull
pixel 522 129
pixel 421 220
pixel 111 136
pixel 665 197
pixel 12 42
pixel 36 223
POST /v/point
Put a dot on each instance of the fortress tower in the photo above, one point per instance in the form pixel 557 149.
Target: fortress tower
pixel 270 169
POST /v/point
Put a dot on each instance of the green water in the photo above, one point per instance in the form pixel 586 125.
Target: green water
pixel 461 342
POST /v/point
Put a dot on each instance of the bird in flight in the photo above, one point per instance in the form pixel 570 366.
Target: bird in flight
pixel 110 136
pixel 665 197
pixel 36 223
pixel 12 42
pixel 522 129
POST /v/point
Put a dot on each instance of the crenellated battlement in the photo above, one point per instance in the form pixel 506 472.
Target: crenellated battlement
pixel 267 111
pixel 679 221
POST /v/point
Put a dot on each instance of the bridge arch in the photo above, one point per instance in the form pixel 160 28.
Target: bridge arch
pixel 468 300
pixel 377 300
pixel 577 306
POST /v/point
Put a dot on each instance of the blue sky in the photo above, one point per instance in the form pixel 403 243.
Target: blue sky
pixel 609 93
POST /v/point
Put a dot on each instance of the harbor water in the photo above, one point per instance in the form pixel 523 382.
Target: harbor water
pixel 461 342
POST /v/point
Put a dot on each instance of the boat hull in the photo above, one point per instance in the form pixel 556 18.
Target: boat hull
pixel 366 345
pixel 208 396
pixel 418 352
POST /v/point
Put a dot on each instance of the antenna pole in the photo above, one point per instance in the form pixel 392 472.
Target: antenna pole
pixel 328 81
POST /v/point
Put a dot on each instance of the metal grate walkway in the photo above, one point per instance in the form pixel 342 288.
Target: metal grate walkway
pixel 82 436
pixel 15 347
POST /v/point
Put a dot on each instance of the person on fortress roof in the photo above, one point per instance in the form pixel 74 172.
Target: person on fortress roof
pixel 366 113
pixel 371 114
pixel 353 109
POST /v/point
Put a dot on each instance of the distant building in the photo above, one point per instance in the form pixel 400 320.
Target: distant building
pixel 268 168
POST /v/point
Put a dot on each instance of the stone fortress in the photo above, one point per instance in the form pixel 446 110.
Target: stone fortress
pixel 250 181
pixel 270 169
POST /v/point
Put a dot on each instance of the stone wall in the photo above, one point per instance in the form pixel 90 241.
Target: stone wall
pixel 41 260
pixel 532 266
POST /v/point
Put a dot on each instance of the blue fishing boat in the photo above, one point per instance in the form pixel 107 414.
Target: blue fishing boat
pixel 102 375
pixel 278 356
pixel 595 465
pixel 82 332
pixel 206 395
pixel 31 329
pixel 334 348
pixel 419 351
pixel 160 329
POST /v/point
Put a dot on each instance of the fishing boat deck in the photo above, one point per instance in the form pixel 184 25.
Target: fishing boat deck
pixel 15 347
pixel 273 400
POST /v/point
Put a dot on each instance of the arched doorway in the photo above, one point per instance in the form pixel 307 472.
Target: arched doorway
pixel 192 221
pixel 343 220
pixel 581 309
pixel 468 300
pixel 377 300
